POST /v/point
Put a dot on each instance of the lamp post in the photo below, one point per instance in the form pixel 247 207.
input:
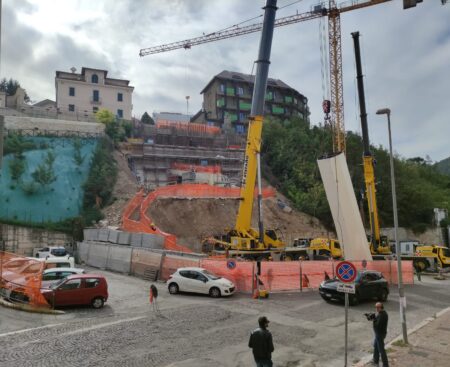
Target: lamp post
pixel 401 291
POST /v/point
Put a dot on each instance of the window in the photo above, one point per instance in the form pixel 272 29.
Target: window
pixel 240 129
pixel 95 109
pixel 94 78
pixel 185 273
pixel 95 96
pixel 50 276
pixel 120 113
pixel 92 282
pixel 119 97
pixel 71 284
pixel 71 107
pixel 222 88
pixel 240 91
pixel 72 91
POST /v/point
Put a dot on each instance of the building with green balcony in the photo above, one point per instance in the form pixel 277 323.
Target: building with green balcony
pixel 227 98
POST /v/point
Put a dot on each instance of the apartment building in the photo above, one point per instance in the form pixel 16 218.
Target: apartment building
pixel 92 90
pixel 227 98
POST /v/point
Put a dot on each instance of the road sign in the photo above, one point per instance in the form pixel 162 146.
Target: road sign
pixel 346 272
pixel 231 264
pixel 346 288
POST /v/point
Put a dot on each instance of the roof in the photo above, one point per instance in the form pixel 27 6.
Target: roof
pixel 63 269
pixel 192 268
pixel 45 102
pixel 246 78
pixel 82 77
pixel 84 276
pixel 171 116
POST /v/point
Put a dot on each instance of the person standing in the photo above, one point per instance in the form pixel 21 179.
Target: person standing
pixel 380 323
pixel 261 343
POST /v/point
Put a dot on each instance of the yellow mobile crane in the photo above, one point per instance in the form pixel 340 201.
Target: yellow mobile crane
pixel 379 245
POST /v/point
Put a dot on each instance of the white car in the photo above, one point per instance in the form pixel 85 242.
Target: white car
pixel 51 251
pixel 52 275
pixel 199 280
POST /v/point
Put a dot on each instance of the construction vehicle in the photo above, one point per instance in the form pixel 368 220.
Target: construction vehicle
pixel 379 245
pixel 430 257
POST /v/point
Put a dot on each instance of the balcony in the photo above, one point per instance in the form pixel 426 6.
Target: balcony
pixel 96 101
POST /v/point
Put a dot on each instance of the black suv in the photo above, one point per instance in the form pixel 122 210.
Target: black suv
pixel 369 285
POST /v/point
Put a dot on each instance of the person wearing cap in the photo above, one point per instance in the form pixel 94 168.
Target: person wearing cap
pixel 261 344
pixel 380 323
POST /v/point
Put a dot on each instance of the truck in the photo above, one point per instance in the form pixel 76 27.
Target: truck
pixel 430 257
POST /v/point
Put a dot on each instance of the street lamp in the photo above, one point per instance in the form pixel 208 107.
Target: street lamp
pixel 401 291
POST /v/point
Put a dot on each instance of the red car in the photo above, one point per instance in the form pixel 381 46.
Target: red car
pixel 78 289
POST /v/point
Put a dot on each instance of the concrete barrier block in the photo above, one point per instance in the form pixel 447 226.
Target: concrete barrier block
pixel 90 234
pixel 136 239
pixel 83 250
pixel 98 255
pixel 103 235
pixel 124 238
pixel 119 259
pixel 113 236
pixel 152 241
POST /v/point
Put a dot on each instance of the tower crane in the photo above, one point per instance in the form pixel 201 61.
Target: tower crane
pixel 333 12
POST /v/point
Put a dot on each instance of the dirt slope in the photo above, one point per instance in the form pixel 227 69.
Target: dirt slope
pixel 193 219
pixel 125 189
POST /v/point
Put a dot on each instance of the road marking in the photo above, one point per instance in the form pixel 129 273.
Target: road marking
pixel 99 326
pixel 31 329
pixel 106 324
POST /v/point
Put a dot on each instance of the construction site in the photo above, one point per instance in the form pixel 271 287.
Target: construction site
pixel 142 216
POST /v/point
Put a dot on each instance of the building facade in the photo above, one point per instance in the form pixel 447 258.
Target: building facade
pixel 92 90
pixel 227 99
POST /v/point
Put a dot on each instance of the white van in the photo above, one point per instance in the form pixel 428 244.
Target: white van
pixel 58 262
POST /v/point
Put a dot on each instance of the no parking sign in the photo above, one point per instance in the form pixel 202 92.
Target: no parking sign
pixel 231 264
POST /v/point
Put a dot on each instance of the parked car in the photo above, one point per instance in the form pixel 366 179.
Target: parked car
pixel 368 285
pixel 49 251
pixel 51 276
pixel 58 262
pixel 78 289
pixel 199 280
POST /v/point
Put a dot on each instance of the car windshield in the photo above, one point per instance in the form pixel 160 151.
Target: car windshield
pixel 58 252
pixel 210 275
pixel 57 284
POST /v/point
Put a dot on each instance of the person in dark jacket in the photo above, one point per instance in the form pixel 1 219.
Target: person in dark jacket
pixel 380 323
pixel 261 344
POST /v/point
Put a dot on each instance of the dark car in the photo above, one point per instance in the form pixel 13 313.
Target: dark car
pixel 368 285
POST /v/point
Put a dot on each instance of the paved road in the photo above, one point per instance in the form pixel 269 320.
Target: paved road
pixel 199 331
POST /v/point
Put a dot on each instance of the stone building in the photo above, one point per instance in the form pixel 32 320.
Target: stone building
pixel 92 90
pixel 227 98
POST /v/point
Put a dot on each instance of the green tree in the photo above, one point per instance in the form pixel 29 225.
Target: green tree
pixel 77 156
pixel 44 174
pixel 105 116
pixel 10 87
pixel 16 168
pixel 146 119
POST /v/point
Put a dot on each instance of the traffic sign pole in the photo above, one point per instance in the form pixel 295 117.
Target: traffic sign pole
pixel 346 328
pixel 346 272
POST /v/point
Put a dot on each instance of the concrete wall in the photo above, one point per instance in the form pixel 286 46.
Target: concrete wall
pixel 23 240
pixel 133 239
pixel 430 236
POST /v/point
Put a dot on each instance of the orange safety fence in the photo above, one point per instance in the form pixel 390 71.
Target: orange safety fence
pixel 197 168
pixel 21 278
pixel 141 204
pixel 297 275
pixel 190 127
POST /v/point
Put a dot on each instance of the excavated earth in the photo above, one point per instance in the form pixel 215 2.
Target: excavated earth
pixel 191 220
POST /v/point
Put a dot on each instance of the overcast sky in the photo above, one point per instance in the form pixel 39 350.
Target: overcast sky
pixel 406 57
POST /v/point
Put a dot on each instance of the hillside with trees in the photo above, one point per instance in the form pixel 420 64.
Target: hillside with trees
pixel 291 148
pixel 444 166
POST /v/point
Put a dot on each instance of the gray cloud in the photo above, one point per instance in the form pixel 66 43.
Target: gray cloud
pixel 405 54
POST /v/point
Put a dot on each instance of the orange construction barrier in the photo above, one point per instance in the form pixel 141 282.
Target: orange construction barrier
pixel 189 127
pixel 196 168
pixel 21 278
pixel 140 204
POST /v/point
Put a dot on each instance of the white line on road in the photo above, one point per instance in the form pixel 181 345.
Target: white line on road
pixel 98 326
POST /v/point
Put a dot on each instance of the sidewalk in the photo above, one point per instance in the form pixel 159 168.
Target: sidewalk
pixel 429 344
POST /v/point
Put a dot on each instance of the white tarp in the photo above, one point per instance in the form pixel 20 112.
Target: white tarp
pixel 342 201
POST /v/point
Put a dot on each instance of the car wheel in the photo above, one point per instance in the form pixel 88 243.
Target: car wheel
pixel 421 265
pixel 98 302
pixel 383 296
pixel 214 292
pixel 173 288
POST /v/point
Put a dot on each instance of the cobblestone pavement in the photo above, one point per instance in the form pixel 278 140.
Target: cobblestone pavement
pixel 197 331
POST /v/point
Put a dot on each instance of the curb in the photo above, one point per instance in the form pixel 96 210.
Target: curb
pixel 416 328
pixel 28 308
